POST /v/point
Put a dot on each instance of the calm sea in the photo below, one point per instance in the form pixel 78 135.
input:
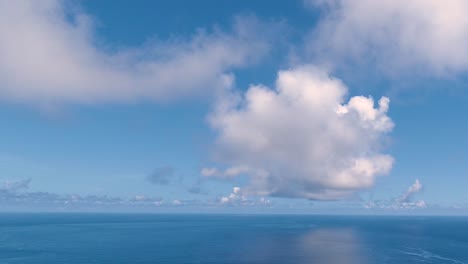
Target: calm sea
pixel 217 239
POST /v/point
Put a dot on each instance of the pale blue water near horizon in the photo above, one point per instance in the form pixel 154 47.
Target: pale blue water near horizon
pixel 176 238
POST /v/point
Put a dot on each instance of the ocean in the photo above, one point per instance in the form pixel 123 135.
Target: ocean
pixel 176 238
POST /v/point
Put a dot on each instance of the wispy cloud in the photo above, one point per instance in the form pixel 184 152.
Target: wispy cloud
pixel 162 175
pixel 14 186
pixel 404 201
pixel 17 193
pixel 197 189
pixel 49 56
pixel 399 36
pixel 409 194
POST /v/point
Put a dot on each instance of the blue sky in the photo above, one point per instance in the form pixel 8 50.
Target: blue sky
pixel 242 106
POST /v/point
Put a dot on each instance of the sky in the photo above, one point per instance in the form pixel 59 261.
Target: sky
pixel 306 106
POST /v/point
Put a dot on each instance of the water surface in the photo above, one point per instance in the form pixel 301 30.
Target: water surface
pixel 139 238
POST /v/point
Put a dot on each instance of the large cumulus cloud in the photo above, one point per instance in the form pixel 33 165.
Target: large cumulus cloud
pixel 302 138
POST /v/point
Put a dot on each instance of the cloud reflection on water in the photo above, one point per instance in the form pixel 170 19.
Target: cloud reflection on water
pixel 315 246
pixel 337 246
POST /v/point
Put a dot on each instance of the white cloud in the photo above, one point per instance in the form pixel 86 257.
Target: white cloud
pixel 399 35
pixel 208 172
pixel 234 197
pixel 230 172
pixel 412 190
pixel 238 198
pixel 301 139
pixel 404 201
pixel 48 56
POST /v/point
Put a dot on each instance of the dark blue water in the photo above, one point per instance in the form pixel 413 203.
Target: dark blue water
pixel 118 238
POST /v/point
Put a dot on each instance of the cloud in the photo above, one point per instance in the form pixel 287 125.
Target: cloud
pixel 17 193
pixel 208 172
pixel 48 56
pixel 404 201
pixel 412 190
pixel 302 139
pixel 229 173
pixel 197 189
pixel 234 196
pixel 14 186
pixel 398 35
pixel 162 175
pixel 237 198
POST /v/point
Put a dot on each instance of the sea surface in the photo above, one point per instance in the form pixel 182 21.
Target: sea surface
pixel 217 239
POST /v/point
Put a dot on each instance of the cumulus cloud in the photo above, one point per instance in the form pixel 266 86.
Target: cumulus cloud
pixel 404 201
pixel 234 196
pixel 238 198
pixel 412 190
pixel 302 139
pixel 399 35
pixel 48 55
pixel 162 175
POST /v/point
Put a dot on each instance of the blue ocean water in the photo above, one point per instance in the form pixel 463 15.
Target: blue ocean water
pixel 140 238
